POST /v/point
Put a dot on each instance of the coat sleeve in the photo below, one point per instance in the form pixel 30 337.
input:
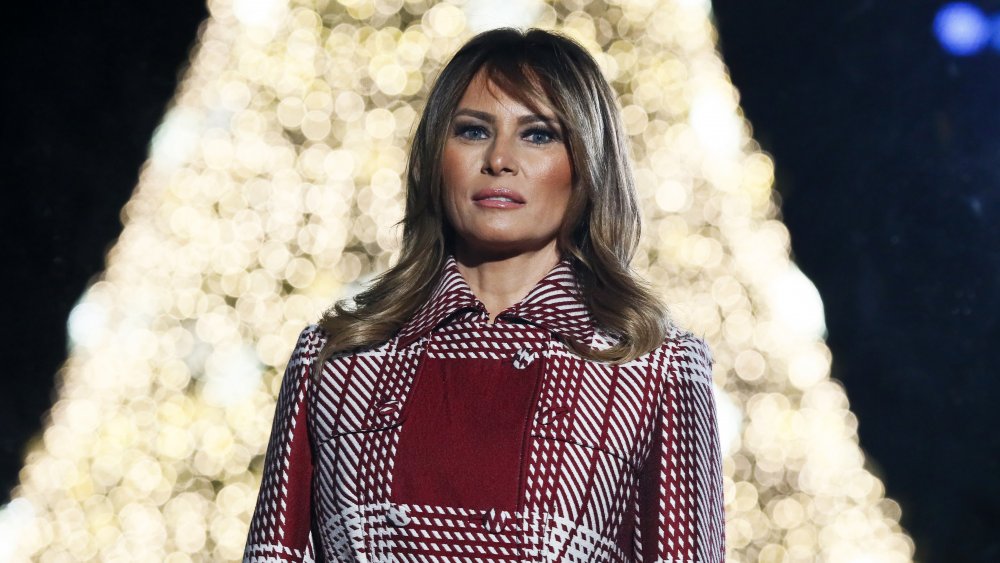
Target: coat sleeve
pixel 680 506
pixel 281 524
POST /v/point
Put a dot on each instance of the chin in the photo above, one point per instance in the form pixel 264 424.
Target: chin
pixel 502 245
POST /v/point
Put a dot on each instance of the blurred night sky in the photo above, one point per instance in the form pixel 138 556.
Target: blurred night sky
pixel 887 155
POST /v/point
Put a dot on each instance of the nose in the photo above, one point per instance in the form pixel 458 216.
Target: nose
pixel 499 159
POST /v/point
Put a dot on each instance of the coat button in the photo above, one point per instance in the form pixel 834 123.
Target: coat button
pixel 495 521
pixel 386 410
pixel 524 357
pixel 397 516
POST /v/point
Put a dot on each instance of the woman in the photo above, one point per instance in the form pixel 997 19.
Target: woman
pixel 508 391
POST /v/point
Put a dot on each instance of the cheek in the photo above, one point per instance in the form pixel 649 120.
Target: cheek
pixel 449 167
pixel 451 178
pixel 558 176
pixel 450 160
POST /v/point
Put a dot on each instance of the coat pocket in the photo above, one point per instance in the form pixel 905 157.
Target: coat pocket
pixel 559 424
pixel 612 416
pixel 610 408
pixel 353 459
pixel 363 392
pixel 383 413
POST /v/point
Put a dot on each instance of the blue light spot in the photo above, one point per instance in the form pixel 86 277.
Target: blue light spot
pixel 995 31
pixel 962 28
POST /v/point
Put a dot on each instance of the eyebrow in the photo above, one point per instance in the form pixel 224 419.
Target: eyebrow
pixel 490 118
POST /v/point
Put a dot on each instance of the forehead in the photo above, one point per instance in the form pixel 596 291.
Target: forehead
pixel 485 94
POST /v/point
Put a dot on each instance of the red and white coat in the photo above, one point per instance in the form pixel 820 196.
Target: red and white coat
pixel 465 440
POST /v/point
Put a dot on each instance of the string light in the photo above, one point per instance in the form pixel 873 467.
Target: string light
pixel 273 187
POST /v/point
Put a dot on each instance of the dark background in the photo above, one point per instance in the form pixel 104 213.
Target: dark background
pixel 888 163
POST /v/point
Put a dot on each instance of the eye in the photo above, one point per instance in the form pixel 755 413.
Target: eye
pixel 540 135
pixel 471 132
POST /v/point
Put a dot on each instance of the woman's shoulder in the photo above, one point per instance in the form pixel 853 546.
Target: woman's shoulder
pixel 314 337
pixel 684 352
pixel 682 338
pixel 310 341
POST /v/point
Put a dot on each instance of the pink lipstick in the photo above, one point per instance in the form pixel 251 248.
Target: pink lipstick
pixel 498 198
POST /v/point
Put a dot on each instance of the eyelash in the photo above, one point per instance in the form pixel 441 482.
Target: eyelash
pixel 465 130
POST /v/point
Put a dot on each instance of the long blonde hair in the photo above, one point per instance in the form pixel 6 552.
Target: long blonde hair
pixel 600 230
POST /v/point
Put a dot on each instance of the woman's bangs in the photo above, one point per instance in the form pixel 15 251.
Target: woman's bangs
pixel 520 81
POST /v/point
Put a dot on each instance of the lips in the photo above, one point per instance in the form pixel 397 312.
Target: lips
pixel 496 196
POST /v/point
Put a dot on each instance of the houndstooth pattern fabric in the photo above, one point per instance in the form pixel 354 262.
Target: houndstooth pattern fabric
pixel 621 463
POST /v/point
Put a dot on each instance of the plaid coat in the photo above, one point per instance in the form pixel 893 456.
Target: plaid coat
pixel 465 440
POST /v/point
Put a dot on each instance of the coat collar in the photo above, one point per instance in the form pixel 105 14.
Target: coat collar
pixel 555 304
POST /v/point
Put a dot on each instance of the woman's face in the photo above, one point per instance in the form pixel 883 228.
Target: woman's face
pixel 507 173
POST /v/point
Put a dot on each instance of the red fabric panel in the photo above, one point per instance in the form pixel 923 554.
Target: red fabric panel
pixel 463 437
pixel 299 473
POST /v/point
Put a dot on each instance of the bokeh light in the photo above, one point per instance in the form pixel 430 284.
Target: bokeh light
pixel 273 187
pixel 962 28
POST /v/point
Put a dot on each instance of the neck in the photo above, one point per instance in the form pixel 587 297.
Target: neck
pixel 502 280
